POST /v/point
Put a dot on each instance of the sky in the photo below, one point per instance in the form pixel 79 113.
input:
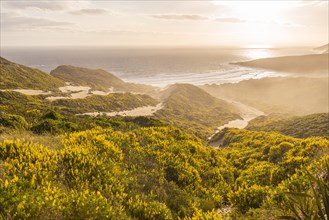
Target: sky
pixel 266 23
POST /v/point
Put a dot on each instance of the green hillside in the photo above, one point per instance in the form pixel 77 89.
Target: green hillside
pixel 16 76
pixel 12 102
pixel 108 103
pixel 303 126
pixel 194 110
pixel 55 164
pixel 97 79
pixel 278 95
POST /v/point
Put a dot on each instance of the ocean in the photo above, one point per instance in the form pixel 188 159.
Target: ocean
pixel 155 66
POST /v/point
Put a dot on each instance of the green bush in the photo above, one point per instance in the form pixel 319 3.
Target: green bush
pixel 13 121
pixel 245 198
pixel 52 115
pixel 54 127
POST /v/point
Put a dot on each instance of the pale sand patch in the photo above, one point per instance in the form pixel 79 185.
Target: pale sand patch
pixel 140 111
pixel 71 88
pixel 78 92
pixel 247 113
pixel 30 91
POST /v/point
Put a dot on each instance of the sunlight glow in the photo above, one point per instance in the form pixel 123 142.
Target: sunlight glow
pixel 259 10
pixel 258 53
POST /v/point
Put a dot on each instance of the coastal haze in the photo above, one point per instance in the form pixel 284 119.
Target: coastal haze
pixel 156 66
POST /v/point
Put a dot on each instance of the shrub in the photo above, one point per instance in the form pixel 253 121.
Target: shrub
pixel 245 198
pixel 54 127
pixel 13 121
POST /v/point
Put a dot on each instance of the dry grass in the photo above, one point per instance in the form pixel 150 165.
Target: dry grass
pixel 47 140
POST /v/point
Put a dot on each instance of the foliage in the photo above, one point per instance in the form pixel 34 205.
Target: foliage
pixel 13 121
pixel 108 103
pixel 302 126
pixel 251 197
pixel 35 106
pixel 153 173
pixel 106 173
pixel 97 79
pixel 54 127
pixel 264 162
pixel 313 202
pixel 195 111
pixel 15 76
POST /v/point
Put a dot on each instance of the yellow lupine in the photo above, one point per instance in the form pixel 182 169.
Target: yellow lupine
pixel 6 183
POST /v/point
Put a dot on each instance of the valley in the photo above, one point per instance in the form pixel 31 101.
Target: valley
pixel 96 146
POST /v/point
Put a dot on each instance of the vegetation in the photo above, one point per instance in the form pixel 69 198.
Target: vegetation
pixel 153 173
pixel 313 203
pixel 57 165
pixel 302 126
pixel 34 106
pixel 13 121
pixel 195 111
pixel 96 79
pixel 16 76
pixel 266 167
pixel 108 103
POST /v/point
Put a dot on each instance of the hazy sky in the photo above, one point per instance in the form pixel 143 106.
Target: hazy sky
pixel 245 23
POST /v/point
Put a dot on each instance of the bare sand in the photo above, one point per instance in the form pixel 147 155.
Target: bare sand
pixel 78 92
pixel 30 91
pixel 140 111
pixel 161 95
pixel 246 112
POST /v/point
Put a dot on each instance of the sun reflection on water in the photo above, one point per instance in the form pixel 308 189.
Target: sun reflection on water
pixel 258 53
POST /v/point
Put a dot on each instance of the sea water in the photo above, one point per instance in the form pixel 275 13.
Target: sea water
pixel 155 66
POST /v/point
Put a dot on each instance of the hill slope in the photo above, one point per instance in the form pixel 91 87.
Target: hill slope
pixel 16 76
pixel 323 48
pixel 17 103
pixel 307 64
pixel 191 108
pixel 96 78
pixel 301 127
pixel 273 95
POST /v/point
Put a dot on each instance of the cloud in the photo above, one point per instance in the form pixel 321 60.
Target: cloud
pixel 180 17
pixel 43 5
pixel 230 20
pixel 10 23
pixel 89 11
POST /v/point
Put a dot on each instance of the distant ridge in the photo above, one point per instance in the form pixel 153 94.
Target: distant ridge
pixel 191 108
pixel 16 76
pixel 323 48
pixel 298 95
pixel 300 127
pixel 306 64
pixel 97 79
